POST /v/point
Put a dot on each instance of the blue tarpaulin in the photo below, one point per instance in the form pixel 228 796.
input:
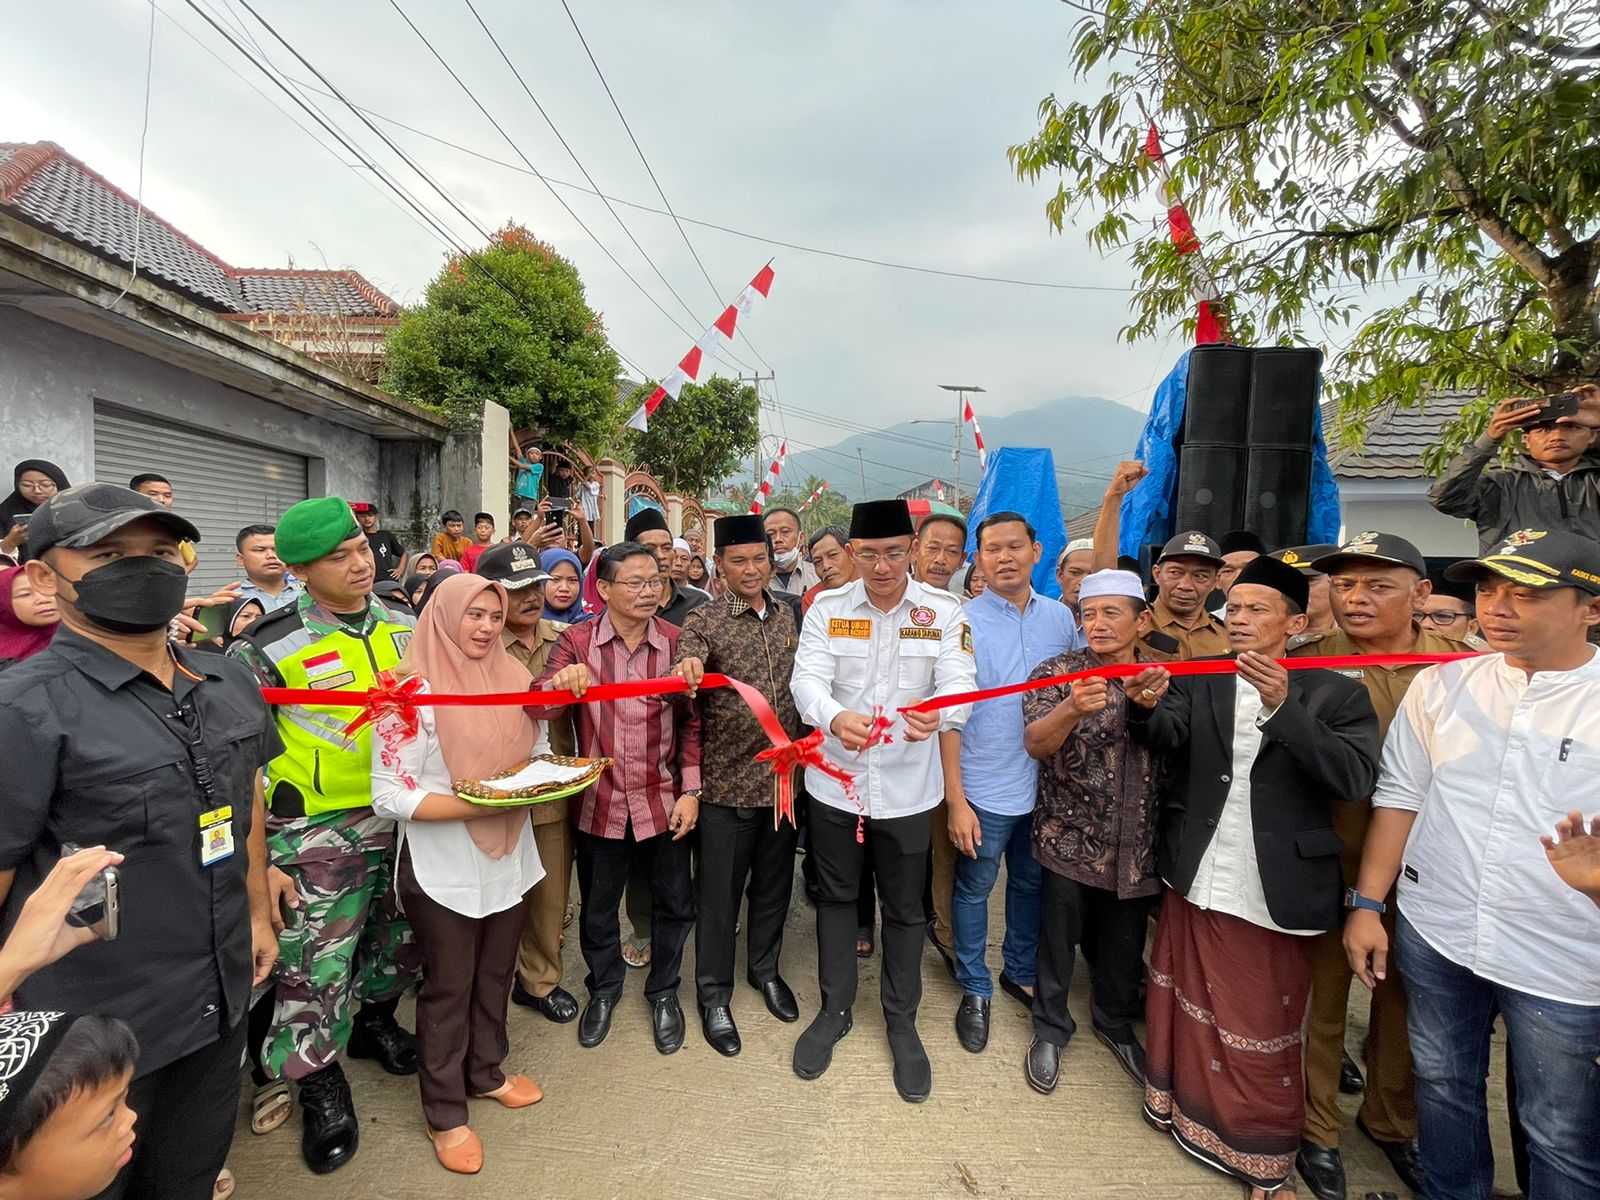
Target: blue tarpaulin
pixel 1021 479
pixel 1147 510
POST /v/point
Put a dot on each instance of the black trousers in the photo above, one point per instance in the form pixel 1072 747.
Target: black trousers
pixel 736 845
pixel 186 1114
pixel 1112 934
pixel 603 865
pixel 899 848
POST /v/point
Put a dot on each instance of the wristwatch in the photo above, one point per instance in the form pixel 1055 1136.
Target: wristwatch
pixel 1354 899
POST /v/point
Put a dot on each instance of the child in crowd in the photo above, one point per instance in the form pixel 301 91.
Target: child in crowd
pixel 529 465
pixel 451 541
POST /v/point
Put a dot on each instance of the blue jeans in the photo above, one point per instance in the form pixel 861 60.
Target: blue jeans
pixel 969 914
pixel 1553 1049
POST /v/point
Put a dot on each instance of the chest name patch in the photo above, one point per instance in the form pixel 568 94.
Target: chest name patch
pixel 842 627
pixel 922 635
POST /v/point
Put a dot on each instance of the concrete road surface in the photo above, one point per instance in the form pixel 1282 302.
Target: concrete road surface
pixel 624 1121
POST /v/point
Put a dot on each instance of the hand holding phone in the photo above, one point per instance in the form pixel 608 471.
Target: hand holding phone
pixel 45 931
pixel 96 907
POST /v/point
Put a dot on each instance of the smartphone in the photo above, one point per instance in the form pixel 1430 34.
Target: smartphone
pixel 96 906
pixel 1557 405
pixel 21 518
pixel 213 623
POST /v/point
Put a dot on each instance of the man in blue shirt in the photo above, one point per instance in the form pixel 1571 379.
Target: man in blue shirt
pixel 1013 630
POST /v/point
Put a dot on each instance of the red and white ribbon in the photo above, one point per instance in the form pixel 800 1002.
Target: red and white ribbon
pixel 815 496
pixel 1208 325
pixel 971 418
pixel 691 366
pixel 770 483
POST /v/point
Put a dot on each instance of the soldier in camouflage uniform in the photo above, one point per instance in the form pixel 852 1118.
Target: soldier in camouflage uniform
pixel 345 939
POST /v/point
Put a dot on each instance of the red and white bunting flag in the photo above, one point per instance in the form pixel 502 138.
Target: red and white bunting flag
pixel 1208 327
pixel 938 489
pixel 770 483
pixel 692 366
pixel 815 496
pixel 971 418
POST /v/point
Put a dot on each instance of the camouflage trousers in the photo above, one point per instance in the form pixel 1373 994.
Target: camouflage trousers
pixel 346 943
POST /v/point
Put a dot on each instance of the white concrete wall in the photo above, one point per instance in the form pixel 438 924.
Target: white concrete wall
pixel 1400 506
pixel 496 497
pixel 51 377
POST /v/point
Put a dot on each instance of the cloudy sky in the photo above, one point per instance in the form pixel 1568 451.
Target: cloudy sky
pixel 873 128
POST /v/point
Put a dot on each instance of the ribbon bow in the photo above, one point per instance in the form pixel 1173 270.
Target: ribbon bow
pixel 803 752
pixel 389 696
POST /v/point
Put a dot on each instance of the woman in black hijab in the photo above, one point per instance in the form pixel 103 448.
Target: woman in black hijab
pixel 33 482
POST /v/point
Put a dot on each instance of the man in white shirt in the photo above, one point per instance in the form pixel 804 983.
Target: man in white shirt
pixel 1485 756
pixel 865 651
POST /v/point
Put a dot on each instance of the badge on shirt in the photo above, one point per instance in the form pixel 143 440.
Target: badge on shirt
pixel 325 671
pixel 216 835
pixel 922 617
pixel 840 627
pixel 402 639
pixel 923 635
pixel 966 637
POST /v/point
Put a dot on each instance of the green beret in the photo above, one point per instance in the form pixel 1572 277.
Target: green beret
pixel 314 528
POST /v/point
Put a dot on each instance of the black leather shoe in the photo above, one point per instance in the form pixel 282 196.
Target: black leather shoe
pixel 972 1023
pixel 559 1006
pixel 377 1035
pixel 1322 1169
pixel 944 951
pixel 779 998
pixel 1013 989
pixel 1350 1081
pixel 913 1077
pixel 1042 1066
pixel 1402 1157
pixel 814 1051
pixel 721 1033
pixel 666 1023
pixel 596 1021
pixel 1129 1054
pixel 329 1132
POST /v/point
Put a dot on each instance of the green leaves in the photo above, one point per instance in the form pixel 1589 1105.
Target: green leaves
pixel 696 440
pixel 1414 184
pixel 510 324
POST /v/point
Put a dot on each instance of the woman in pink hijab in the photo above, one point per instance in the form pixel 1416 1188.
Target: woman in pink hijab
pixel 463 869
pixel 27 620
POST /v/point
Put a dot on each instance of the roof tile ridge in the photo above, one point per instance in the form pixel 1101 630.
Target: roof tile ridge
pixel 24 164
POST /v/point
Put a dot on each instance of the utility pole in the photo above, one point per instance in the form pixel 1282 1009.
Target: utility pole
pixel 961 419
pixel 863 464
pixel 756 379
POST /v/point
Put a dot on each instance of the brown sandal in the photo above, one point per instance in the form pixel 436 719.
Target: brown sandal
pixel 464 1158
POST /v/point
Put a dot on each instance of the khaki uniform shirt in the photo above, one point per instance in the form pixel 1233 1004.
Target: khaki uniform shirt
pixel 1386 686
pixel 1206 640
pixel 562 741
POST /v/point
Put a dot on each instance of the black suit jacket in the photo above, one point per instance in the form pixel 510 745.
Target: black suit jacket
pixel 1320 747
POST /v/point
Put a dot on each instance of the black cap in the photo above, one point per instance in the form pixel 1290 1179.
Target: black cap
pixel 514 566
pixel 644 521
pixel 1191 544
pixel 1301 557
pixel 744 530
pixel 1279 576
pixel 1236 540
pixel 1536 558
pixel 1458 589
pixel 90 512
pixel 1383 548
pixel 881 519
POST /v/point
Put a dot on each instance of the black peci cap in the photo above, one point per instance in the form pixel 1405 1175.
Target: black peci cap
pixel 1279 576
pixel 1236 540
pixel 644 521
pixel 743 530
pixel 880 519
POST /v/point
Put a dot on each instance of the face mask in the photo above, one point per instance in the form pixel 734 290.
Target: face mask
pixel 788 560
pixel 132 595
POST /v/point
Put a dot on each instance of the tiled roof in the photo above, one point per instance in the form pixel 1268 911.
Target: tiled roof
pixel 42 184
pixel 1395 439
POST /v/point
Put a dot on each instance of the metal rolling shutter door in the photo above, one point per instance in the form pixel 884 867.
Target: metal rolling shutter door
pixel 221 485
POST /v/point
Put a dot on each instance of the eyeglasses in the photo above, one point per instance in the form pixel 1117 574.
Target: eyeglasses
pixel 1443 618
pixel 637 586
pixel 871 558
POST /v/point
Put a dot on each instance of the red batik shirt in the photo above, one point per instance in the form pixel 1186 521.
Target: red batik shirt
pixel 653 741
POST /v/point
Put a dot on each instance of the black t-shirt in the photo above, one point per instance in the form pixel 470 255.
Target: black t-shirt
pixel 386 551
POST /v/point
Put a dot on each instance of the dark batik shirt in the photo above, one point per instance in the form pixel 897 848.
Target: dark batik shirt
pixel 731 639
pixel 1099 793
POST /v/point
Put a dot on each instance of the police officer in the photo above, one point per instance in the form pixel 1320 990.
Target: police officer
pixel 115 737
pixel 334 859
pixel 865 650
pixel 1377 581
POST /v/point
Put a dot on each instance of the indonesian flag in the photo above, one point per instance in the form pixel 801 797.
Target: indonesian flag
pixel 692 366
pixel 1208 326
pixel 769 484
pixel 971 418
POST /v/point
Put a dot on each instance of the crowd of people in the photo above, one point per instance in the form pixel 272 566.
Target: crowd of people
pixel 1228 837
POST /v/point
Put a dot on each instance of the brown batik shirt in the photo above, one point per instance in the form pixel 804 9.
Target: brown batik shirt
pixel 732 639
pixel 1095 821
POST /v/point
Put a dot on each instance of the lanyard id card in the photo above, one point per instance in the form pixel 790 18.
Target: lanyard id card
pixel 216 835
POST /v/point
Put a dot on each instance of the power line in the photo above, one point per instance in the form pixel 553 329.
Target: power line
pixel 651 172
